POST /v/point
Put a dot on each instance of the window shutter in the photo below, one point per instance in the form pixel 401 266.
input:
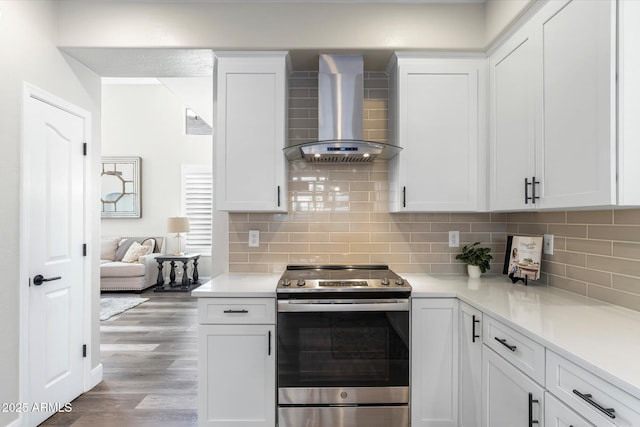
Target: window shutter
pixel 197 190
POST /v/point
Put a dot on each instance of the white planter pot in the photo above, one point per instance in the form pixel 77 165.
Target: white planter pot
pixel 473 271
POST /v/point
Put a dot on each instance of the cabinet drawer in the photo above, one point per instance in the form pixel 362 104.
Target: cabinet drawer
pixel 524 353
pixel 556 414
pixel 590 395
pixel 236 311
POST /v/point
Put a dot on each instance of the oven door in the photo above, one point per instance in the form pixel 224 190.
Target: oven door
pixel 343 352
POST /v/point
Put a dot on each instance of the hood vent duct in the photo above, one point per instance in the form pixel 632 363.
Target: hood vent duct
pixel 340 109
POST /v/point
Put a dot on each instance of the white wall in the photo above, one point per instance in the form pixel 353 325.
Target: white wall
pixel 28 53
pixel 240 25
pixel 499 14
pixel 148 121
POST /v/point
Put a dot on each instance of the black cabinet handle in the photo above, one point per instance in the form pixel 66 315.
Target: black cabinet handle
pixel 39 279
pixel 504 343
pixel 533 190
pixel 278 196
pixel 236 311
pixel 526 191
pixel 473 329
pixel 609 412
pixel 531 402
pixel 404 197
pixel 269 350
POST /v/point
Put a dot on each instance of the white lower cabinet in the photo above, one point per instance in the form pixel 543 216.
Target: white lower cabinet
pixel 434 367
pixel 556 414
pixel 470 384
pixel 237 376
pixel 509 397
pixel 597 400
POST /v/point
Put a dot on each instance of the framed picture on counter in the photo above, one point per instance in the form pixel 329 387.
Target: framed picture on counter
pixel 522 258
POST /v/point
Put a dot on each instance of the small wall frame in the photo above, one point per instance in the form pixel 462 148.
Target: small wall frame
pixel 120 187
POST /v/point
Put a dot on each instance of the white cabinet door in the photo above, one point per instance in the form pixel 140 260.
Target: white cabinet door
pixel 509 398
pixel 470 388
pixel 579 69
pixel 629 102
pixel 556 414
pixel 434 362
pixel 251 131
pixel 237 369
pixel 440 116
pixel 514 83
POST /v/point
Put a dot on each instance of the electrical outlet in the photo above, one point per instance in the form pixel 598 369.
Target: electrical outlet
pixel 547 245
pixel 454 239
pixel 254 238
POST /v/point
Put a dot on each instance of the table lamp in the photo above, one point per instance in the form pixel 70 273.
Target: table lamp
pixel 178 224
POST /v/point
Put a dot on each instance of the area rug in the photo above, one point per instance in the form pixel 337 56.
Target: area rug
pixel 109 307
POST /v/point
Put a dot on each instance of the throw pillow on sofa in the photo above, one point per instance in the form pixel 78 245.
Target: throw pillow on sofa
pixel 108 248
pixel 123 247
pixel 135 251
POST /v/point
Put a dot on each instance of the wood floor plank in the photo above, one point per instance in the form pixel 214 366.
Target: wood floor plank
pixel 149 357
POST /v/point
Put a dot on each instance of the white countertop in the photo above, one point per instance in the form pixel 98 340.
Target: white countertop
pixel 601 337
pixel 231 285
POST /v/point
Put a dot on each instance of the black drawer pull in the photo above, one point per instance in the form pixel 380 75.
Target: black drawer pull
pixel 504 343
pixel 236 311
pixel 587 398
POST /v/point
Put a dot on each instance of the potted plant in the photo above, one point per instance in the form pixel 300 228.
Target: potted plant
pixel 477 259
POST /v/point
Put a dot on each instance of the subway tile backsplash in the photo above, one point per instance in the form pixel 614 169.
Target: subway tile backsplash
pixel 597 253
pixel 339 214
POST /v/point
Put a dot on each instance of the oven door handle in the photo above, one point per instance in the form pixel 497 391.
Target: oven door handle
pixel 323 305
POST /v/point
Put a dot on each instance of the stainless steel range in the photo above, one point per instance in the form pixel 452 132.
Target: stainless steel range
pixel 343 347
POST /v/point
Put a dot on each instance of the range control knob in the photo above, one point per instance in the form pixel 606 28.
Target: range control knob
pixel 385 282
pixel 300 283
pixel 284 283
pixel 399 281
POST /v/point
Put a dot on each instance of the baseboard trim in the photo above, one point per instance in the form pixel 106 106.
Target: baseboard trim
pixel 95 378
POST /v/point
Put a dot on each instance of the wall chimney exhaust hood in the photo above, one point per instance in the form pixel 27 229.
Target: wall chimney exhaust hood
pixel 340 109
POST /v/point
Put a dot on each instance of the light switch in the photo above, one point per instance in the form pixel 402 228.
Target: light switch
pixel 254 238
pixel 454 239
pixel 547 245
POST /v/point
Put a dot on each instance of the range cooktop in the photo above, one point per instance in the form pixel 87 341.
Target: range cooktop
pixel 341 278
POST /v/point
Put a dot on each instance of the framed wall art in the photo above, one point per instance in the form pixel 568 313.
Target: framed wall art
pixel 120 187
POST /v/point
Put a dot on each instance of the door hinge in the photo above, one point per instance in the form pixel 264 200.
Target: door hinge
pixel 84 148
pixel 84 249
pixel 84 350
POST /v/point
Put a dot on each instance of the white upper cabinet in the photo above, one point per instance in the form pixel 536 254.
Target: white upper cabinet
pixel 629 102
pixel 512 129
pixel 251 131
pixel 579 87
pixel 553 109
pixel 437 115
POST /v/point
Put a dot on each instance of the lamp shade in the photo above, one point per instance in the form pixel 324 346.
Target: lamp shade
pixel 178 224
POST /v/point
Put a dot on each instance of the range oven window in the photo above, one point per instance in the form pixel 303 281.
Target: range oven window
pixel 343 349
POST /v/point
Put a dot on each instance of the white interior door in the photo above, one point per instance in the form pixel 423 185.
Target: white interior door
pixel 53 150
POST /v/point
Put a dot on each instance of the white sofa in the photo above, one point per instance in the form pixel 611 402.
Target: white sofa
pixel 116 275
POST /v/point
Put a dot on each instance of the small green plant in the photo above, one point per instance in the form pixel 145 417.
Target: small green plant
pixel 473 255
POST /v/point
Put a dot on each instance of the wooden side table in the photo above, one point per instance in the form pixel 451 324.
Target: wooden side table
pixel 185 259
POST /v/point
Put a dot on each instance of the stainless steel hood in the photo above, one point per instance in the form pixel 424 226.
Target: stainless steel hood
pixel 340 109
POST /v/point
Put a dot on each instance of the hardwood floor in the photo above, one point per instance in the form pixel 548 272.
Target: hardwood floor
pixel 149 355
